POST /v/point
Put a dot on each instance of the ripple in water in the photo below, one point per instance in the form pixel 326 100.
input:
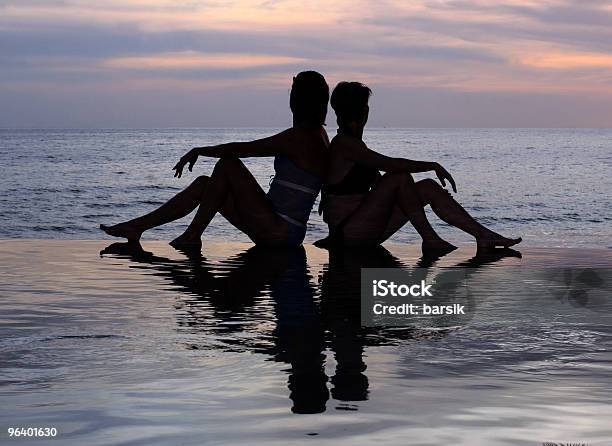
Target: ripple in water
pixel 228 346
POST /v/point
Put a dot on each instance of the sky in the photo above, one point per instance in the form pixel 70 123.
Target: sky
pixel 224 63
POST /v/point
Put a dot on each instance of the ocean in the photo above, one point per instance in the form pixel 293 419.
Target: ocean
pixel 550 186
pixel 109 344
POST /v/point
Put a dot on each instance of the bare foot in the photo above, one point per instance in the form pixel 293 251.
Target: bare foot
pixel 437 246
pixel 123 230
pixel 494 240
pixel 130 249
pixel 187 241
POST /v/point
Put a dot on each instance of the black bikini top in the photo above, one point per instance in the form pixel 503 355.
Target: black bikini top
pixel 358 180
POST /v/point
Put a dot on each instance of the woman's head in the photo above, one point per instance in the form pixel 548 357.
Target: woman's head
pixel 350 102
pixel 309 98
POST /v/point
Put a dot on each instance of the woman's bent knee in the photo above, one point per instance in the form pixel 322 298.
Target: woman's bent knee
pixel 399 178
pixel 229 162
pixel 200 181
pixel 428 185
pixel 430 189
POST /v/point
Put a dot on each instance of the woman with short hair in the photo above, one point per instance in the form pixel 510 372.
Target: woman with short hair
pixel 363 207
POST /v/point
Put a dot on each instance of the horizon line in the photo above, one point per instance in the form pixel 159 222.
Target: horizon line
pixel 283 127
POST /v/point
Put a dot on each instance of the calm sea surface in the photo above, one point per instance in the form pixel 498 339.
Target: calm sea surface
pixel 265 347
pixel 550 186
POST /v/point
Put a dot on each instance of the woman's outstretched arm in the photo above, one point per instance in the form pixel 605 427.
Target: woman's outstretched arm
pixel 269 146
pixel 356 150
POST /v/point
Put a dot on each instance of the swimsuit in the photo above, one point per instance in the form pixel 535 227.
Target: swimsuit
pixel 292 193
pixel 358 180
pixel 340 200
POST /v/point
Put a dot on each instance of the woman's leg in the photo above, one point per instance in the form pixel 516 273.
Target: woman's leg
pixel 177 207
pixel 377 217
pixel 445 207
pixel 231 182
pixel 391 203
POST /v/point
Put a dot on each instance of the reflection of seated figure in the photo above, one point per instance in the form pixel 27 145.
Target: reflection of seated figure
pixel 341 312
pixel 233 290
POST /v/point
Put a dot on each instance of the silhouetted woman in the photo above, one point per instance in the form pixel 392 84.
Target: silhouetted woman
pixel 362 207
pixel 277 217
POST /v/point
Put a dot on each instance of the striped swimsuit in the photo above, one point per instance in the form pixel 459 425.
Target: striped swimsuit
pixel 293 192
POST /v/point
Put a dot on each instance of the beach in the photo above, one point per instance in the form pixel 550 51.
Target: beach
pixel 296 223
pixel 242 346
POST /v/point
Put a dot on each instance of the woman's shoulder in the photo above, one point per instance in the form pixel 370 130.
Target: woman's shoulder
pixel 343 142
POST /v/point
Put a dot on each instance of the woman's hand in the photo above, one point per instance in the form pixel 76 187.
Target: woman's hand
pixel 443 175
pixel 189 158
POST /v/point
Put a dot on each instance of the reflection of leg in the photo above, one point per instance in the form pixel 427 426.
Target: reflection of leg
pixel 250 211
pixel 307 379
pixel 300 337
pixel 445 207
pixel 349 382
pixel 177 207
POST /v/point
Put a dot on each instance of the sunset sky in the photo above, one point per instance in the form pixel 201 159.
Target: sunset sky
pixel 223 63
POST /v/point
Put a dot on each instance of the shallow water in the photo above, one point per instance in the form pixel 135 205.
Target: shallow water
pixel 551 186
pixel 247 346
